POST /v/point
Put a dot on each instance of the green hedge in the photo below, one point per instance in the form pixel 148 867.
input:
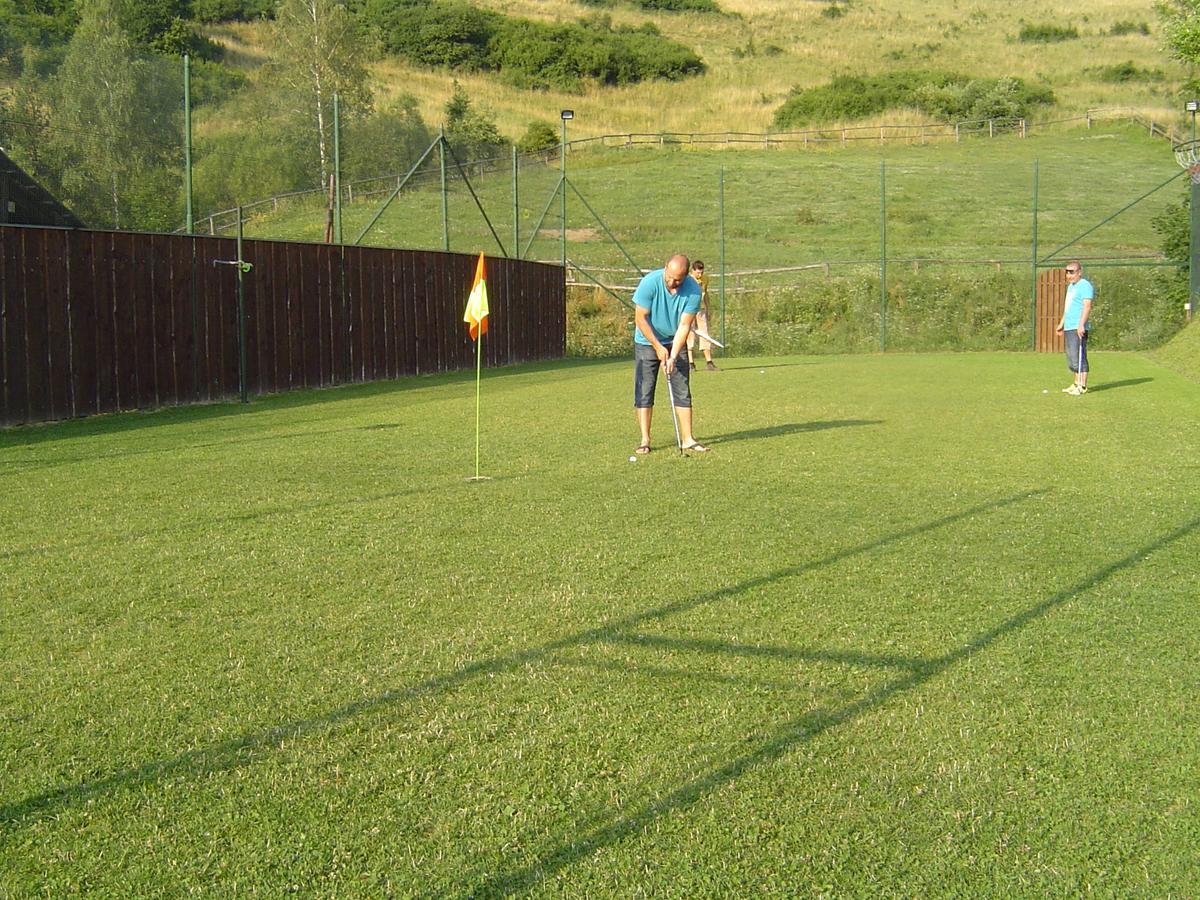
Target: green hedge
pixel 929 310
pixel 945 95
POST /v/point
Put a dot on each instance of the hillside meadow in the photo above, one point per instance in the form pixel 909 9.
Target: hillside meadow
pixel 760 49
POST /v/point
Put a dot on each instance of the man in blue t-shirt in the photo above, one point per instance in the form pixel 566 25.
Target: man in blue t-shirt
pixel 1075 325
pixel 665 305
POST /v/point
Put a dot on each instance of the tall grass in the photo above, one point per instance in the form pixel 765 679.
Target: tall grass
pixel 745 83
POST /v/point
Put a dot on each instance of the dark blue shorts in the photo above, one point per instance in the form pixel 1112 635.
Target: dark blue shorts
pixel 645 377
pixel 1076 350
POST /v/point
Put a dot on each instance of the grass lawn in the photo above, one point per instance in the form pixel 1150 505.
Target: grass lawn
pixel 919 625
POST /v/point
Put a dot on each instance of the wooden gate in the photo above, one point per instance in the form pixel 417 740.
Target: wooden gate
pixel 1051 294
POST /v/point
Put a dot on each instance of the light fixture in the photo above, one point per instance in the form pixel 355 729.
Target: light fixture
pixel 570 114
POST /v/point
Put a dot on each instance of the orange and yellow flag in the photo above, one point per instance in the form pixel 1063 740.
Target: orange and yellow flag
pixel 476 315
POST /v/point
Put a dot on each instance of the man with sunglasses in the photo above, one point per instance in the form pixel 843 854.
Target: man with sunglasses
pixel 1075 325
pixel 665 305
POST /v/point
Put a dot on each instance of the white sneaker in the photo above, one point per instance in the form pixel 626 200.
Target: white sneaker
pixel 1070 389
pixel 1075 390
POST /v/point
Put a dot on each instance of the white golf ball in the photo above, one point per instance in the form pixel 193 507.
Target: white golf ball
pixel 633 459
pixel 1045 390
pixel 762 371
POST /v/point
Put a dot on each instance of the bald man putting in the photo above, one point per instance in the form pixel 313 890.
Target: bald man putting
pixel 665 305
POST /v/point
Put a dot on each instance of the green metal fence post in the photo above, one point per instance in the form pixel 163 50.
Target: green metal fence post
pixel 1194 248
pixel 882 255
pixel 445 201
pixel 241 295
pixel 187 143
pixel 1033 267
pixel 721 232
pixel 516 207
pixel 337 169
pixel 563 184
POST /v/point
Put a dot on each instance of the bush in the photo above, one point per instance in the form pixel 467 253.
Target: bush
pixel 232 10
pixel 235 168
pixel 1121 28
pixel 1047 34
pixel 928 310
pixel 981 98
pixel 540 135
pixel 527 53
pixel 42 24
pixel 181 37
pixel 214 82
pixel 390 140
pixel 598 326
pixel 944 95
pixel 679 5
pixel 1122 73
pixel 661 5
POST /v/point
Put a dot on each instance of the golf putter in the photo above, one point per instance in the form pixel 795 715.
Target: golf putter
pixel 674 414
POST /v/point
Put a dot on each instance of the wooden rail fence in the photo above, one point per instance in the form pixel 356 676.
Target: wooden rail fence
pixel 96 321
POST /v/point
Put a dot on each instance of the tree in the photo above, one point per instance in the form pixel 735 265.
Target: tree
pixel 472 133
pixel 1181 28
pixel 113 120
pixel 317 52
pixel 391 140
pixel 540 135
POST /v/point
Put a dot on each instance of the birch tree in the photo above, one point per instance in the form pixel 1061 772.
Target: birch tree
pixel 317 51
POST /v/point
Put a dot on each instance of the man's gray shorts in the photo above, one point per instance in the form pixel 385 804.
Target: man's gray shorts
pixel 1076 348
pixel 645 377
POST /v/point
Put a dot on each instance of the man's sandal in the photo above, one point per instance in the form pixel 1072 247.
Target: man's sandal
pixel 696 447
pixel 642 449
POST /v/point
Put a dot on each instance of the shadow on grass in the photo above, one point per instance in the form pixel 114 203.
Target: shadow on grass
pixel 117 423
pixel 248 748
pixel 36 464
pixel 783 739
pixel 101 541
pixel 792 428
pixel 750 368
pixel 1113 385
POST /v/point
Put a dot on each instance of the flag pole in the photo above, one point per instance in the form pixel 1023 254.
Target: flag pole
pixel 476 318
pixel 478 378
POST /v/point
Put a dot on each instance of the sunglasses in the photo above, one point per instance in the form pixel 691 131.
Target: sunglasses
pixel 1071 271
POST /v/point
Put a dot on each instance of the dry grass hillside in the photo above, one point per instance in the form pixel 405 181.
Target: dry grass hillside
pixel 760 49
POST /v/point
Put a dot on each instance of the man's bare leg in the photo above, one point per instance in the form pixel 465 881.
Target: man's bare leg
pixel 643 417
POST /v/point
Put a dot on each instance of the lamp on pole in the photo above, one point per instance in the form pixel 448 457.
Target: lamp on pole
pixel 566 115
pixel 1193 106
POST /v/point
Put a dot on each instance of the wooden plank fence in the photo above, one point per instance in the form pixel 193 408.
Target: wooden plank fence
pixel 94 322
pixel 1051 298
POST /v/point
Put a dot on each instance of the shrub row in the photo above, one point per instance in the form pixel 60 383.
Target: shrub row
pixel 933 310
pixel 528 53
pixel 945 95
pixel 1047 33
pixel 662 5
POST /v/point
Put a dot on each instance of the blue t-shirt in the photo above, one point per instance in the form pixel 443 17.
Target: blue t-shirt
pixel 1076 294
pixel 665 309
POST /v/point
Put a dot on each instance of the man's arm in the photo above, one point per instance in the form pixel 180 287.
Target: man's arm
pixel 1083 317
pixel 641 317
pixel 681 334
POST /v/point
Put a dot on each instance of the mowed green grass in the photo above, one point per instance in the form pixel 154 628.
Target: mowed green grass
pixel 918 625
